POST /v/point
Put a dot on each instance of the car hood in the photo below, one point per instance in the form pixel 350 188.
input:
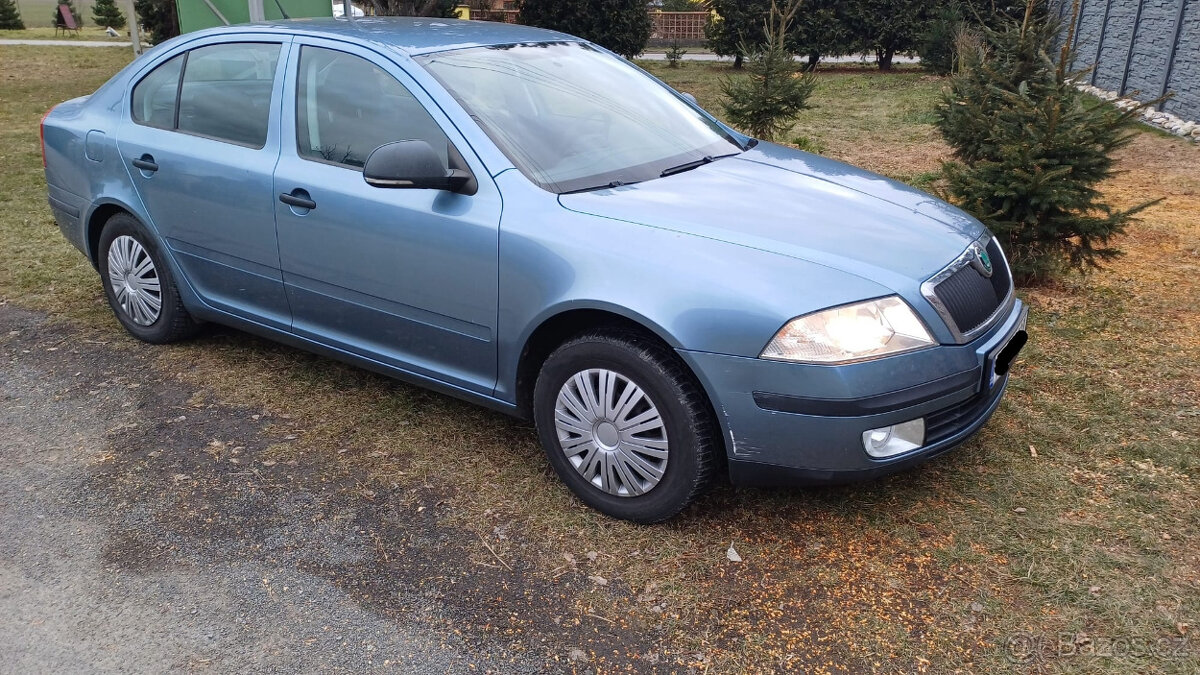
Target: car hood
pixel 800 205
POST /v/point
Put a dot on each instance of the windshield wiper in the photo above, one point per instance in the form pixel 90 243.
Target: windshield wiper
pixel 611 184
pixel 688 166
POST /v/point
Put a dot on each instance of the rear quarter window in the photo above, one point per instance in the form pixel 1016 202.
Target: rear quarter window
pixel 156 95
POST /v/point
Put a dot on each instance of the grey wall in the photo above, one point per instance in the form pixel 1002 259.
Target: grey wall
pixel 1141 49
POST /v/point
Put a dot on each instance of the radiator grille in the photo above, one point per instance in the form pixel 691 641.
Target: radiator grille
pixel 971 298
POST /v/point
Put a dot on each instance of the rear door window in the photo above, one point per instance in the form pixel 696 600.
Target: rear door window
pixel 226 92
pixel 219 91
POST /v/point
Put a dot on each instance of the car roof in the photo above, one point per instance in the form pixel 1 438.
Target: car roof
pixel 411 35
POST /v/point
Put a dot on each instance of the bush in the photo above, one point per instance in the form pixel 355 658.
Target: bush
pixel 157 19
pixel 819 30
pixel 735 27
pixel 106 13
pixel 1031 150
pixel 682 6
pixel 774 91
pixel 885 27
pixel 620 25
pixel 10 18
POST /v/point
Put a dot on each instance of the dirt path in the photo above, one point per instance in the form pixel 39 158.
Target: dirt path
pixel 142 529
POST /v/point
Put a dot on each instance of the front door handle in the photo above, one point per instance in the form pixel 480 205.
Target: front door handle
pixel 145 163
pixel 298 198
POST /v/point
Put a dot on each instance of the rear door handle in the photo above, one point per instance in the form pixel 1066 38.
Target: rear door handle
pixel 298 198
pixel 145 163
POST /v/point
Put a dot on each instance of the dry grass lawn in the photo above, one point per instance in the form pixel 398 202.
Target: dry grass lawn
pixel 1061 538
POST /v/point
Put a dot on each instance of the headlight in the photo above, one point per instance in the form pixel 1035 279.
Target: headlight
pixel 864 330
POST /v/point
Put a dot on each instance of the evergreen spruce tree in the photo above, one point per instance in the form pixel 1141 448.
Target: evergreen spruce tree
pixel 58 20
pixel 675 54
pixel 768 99
pixel 10 18
pixel 106 13
pixel 1030 149
pixel 936 44
pixel 620 25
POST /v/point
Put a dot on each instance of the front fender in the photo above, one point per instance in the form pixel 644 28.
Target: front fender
pixel 696 293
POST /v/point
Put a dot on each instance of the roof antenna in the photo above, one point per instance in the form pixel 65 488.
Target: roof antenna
pixel 281 10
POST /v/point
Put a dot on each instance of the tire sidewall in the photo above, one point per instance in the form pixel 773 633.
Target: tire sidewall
pixel 160 330
pixel 680 478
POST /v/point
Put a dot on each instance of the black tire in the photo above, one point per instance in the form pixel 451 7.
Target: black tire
pixel 689 427
pixel 173 322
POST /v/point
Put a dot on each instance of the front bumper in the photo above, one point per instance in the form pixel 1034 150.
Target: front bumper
pixel 788 423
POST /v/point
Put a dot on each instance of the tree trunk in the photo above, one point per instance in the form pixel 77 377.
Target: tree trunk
pixel 813 59
pixel 884 56
pixel 737 62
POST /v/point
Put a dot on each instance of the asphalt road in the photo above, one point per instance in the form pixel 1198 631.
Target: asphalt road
pixel 142 531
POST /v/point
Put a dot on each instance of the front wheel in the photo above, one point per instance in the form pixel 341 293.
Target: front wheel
pixel 625 425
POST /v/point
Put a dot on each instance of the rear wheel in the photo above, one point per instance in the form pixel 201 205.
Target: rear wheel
pixel 139 287
pixel 625 425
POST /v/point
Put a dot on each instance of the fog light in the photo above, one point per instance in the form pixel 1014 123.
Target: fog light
pixel 893 440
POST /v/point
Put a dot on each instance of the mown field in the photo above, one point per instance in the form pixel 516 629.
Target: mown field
pixel 1062 538
pixel 40 13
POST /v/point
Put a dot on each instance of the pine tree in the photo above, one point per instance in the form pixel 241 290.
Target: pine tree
pixel 675 54
pixel 106 13
pixel 58 20
pixel 620 25
pixel 10 18
pixel 936 44
pixel 1031 149
pixel 774 91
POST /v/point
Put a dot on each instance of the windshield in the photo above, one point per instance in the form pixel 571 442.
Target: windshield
pixel 573 118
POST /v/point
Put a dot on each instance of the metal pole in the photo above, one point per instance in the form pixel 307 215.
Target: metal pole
pixel 1171 54
pixel 134 30
pixel 347 9
pixel 1137 22
pixel 1100 43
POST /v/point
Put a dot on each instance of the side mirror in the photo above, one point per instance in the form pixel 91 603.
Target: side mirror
pixel 414 165
pixel 691 99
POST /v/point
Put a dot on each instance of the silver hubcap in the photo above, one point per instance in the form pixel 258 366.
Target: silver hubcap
pixel 134 280
pixel 611 432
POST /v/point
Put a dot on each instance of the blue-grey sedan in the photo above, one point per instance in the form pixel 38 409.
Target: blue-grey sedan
pixel 522 219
